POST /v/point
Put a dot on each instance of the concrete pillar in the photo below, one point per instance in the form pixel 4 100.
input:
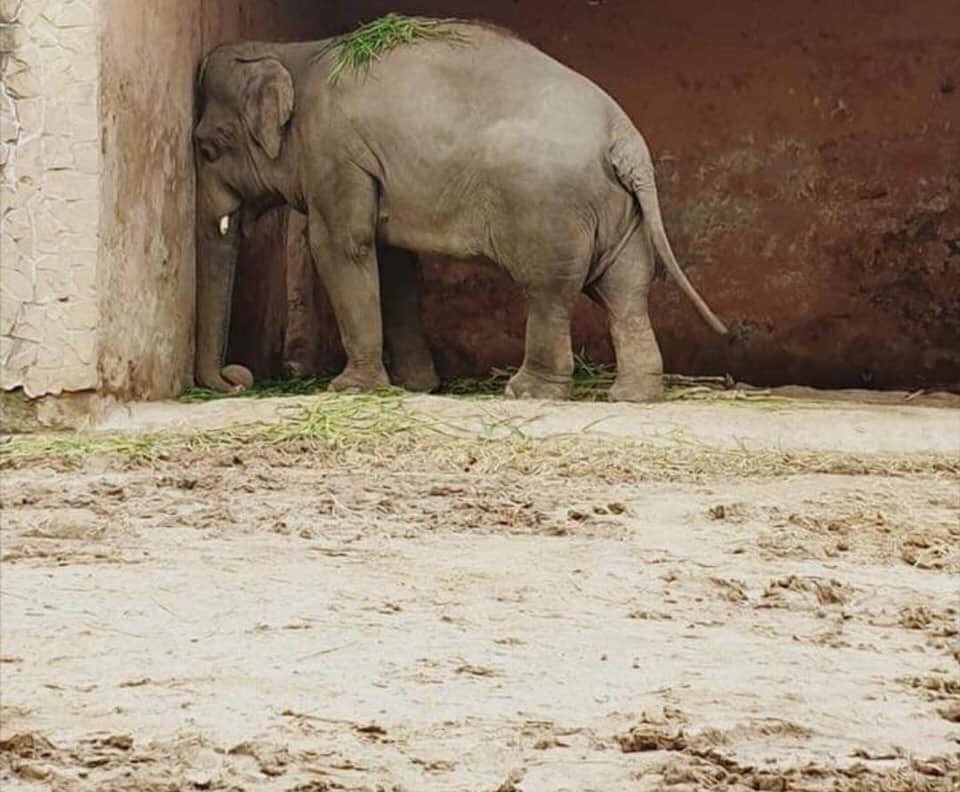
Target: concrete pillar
pixel 49 194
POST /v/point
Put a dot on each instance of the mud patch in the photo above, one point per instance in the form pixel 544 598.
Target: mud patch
pixel 417 615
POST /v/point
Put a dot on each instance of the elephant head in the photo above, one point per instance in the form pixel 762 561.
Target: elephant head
pixel 247 101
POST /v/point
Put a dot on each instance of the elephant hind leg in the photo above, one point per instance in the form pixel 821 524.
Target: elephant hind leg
pixel 301 343
pixel 622 292
pixel 408 357
pixel 547 370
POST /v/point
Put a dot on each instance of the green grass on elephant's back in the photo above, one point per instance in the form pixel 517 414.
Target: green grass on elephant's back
pixel 356 50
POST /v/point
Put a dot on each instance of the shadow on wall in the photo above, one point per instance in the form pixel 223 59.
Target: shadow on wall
pixel 809 176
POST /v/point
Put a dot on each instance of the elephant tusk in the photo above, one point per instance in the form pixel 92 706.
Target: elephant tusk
pixel 224 225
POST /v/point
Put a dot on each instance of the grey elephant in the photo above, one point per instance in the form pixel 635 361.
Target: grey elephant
pixel 468 144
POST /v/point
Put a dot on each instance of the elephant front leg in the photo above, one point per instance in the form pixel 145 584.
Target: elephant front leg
pixel 408 356
pixel 347 266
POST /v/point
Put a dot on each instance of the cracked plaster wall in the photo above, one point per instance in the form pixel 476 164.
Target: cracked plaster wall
pixel 49 194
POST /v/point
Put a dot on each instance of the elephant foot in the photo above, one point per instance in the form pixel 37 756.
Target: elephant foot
pixel 230 379
pixel 415 373
pixel 361 378
pixel 422 380
pixel 644 388
pixel 298 370
pixel 525 385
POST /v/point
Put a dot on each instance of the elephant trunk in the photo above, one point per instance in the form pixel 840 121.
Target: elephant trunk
pixel 217 251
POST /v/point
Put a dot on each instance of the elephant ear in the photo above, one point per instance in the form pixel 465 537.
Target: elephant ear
pixel 268 103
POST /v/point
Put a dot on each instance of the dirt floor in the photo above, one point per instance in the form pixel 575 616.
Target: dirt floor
pixel 441 594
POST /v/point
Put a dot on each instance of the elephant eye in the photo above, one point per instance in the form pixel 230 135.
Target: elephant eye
pixel 209 151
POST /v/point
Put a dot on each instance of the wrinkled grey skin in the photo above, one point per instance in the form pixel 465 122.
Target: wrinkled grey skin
pixel 481 145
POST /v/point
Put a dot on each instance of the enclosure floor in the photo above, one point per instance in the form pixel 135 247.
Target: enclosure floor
pixel 241 618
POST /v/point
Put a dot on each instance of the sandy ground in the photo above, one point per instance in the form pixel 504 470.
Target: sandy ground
pixel 680 614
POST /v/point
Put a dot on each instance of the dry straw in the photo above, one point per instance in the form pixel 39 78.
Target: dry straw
pixel 383 432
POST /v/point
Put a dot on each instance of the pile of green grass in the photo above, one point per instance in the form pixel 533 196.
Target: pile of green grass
pixel 355 51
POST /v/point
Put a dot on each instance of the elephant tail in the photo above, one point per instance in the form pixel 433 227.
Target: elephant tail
pixel 631 161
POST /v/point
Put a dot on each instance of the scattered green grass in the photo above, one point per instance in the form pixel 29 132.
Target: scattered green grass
pixel 383 431
pixel 356 50
pixel 77 447
pixel 591 381
pixel 368 431
pixel 333 422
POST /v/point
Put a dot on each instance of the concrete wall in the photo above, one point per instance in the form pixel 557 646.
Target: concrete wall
pixel 49 194
pixel 146 280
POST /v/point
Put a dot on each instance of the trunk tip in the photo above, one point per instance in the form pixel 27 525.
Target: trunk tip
pixel 239 376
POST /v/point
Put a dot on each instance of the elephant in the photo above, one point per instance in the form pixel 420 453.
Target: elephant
pixel 472 145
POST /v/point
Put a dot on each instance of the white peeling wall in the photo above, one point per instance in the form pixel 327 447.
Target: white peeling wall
pixel 49 194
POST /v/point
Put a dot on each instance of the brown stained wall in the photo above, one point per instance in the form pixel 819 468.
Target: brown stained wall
pixel 145 272
pixel 150 53
pixel 809 168
pixel 259 322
